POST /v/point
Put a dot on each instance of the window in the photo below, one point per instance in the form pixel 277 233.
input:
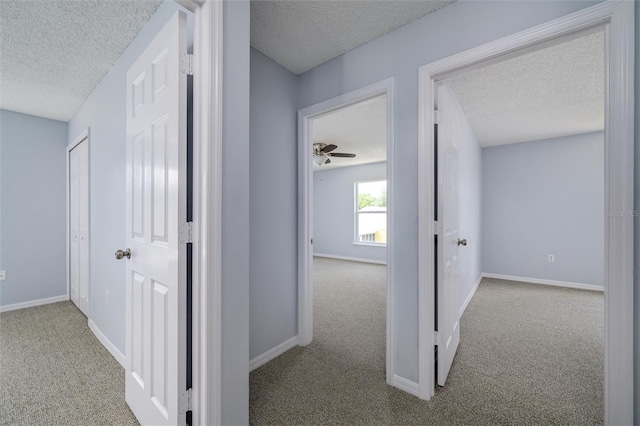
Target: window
pixel 371 212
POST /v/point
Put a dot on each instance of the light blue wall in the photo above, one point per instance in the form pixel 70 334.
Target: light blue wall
pixel 235 213
pixel 452 29
pixel 104 112
pixel 32 207
pixel 470 196
pixel 273 160
pixel 545 197
pixel 333 211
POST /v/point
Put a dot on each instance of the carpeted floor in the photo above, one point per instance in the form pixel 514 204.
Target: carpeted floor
pixel 53 371
pixel 529 354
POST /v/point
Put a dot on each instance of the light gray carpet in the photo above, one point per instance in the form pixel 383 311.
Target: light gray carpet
pixel 53 371
pixel 529 354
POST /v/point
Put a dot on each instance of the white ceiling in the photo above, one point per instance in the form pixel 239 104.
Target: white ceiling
pixel 300 35
pixel 51 62
pixel 360 129
pixel 553 92
pixel 54 53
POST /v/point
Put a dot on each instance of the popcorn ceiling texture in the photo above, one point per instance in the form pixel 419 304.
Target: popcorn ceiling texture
pixel 300 35
pixel 54 53
pixel 554 92
pixel 359 128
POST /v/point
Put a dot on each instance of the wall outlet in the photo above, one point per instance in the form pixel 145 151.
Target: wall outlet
pixel 107 299
pixel 551 258
pixel 3 275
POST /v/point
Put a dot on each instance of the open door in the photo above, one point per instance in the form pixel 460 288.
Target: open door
pixel 448 321
pixel 156 208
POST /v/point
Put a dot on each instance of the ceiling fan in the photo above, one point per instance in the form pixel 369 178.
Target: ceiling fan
pixel 322 152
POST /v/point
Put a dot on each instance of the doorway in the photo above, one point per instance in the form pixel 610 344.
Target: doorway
pixel 350 232
pixel 382 93
pixel 78 221
pixel 617 20
pixel 531 183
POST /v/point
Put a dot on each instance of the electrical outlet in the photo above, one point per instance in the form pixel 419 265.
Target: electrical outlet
pixel 107 297
pixel 551 258
pixel 3 275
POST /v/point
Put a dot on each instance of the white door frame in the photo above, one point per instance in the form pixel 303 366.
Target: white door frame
pixel 617 18
pixel 305 209
pixel 84 135
pixel 207 210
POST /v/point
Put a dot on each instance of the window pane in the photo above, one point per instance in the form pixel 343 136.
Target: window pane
pixel 372 228
pixel 372 196
pixel 371 212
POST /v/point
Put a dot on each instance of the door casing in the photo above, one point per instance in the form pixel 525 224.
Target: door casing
pixel 305 210
pixel 207 210
pixel 617 19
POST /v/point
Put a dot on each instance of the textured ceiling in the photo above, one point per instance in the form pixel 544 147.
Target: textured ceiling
pixel 54 53
pixel 300 35
pixel 553 92
pixel 360 129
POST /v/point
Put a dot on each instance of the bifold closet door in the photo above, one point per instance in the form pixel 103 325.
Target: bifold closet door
pixel 79 226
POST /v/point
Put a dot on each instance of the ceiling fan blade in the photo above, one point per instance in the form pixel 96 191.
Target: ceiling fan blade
pixel 329 148
pixel 342 154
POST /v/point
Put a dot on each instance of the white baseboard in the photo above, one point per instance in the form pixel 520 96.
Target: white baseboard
pixel 273 353
pixel 470 296
pixel 405 385
pixel 546 282
pixel 32 303
pixel 107 343
pixel 353 259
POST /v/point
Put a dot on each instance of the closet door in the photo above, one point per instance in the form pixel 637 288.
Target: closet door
pixel 79 225
pixel 74 238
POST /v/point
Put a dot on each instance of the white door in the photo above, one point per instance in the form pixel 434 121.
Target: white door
pixel 156 206
pixel 448 322
pixel 79 225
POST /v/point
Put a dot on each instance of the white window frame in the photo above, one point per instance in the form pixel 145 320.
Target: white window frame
pixel 356 215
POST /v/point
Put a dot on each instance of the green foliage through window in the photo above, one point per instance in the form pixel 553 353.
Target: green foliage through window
pixel 365 200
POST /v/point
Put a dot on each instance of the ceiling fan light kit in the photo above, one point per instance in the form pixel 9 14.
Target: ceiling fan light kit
pixel 320 159
pixel 322 152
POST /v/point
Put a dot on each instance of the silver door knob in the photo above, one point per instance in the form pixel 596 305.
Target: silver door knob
pixel 126 253
pixel 462 242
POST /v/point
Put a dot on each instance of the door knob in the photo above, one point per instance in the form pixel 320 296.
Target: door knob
pixel 126 253
pixel 462 242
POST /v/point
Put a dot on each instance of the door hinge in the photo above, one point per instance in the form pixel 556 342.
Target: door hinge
pixel 186 63
pixel 186 232
pixel 185 401
pixel 438 338
pixel 436 116
pixel 436 228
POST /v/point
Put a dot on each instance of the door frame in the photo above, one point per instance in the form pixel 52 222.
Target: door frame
pixel 305 209
pixel 83 136
pixel 207 210
pixel 617 19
